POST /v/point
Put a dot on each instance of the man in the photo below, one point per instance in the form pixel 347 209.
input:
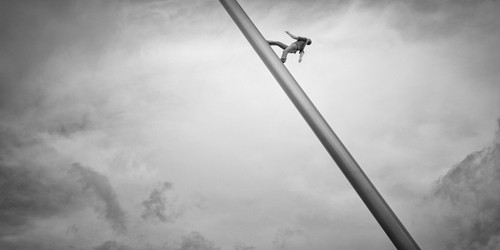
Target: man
pixel 298 45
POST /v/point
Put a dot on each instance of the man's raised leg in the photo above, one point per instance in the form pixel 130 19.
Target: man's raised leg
pixel 280 44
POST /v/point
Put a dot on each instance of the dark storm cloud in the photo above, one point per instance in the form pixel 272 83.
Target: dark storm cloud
pixel 27 195
pixel 467 197
pixel 36 183
pixel 160 207
pixel 32 31
pixel 33 245
pixel 37 34
pixel 30 190
pixel 108 205
pixel 196 241
pixel 112 245
pixel 72 124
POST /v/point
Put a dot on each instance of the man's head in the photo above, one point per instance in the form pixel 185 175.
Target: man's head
pixel 309 41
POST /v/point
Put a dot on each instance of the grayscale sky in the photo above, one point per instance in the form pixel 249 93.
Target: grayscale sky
pixel 154 124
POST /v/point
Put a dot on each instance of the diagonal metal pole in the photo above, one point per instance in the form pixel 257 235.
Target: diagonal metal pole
pixel 389 222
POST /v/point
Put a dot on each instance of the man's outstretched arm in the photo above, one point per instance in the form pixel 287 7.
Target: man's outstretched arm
pixel 291 35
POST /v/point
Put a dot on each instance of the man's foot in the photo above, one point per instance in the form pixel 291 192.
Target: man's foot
pixel 283 59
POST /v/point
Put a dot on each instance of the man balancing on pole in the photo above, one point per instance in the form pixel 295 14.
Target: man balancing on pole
pixel 298 45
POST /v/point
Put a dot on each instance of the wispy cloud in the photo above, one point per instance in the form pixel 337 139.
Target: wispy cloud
pixel 284 235
pixel 466 200
pixel 107 204
pixel 195 240
pixel 160 206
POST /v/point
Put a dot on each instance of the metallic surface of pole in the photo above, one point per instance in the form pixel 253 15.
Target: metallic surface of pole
pixel 363 186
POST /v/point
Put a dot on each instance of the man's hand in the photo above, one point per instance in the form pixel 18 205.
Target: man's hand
pixel 300 60
pixel 291 35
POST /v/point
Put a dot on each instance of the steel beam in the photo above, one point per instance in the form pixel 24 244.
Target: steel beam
pixel 389 222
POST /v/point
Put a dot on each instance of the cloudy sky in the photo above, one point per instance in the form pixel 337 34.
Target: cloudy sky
pixel 154 124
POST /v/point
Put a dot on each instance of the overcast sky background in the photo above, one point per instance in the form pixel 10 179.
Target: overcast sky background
pixel 154 124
